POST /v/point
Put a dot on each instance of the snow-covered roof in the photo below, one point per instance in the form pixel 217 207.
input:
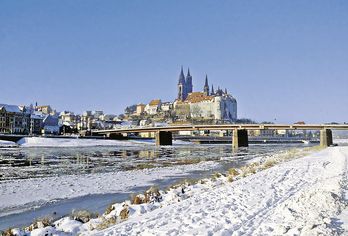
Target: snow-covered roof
pixel 36 116
pixel 11 108
pixel 66 113
pixel 51 120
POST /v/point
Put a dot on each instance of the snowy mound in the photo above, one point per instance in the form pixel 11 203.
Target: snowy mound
pixel 69 142
pixel 4 143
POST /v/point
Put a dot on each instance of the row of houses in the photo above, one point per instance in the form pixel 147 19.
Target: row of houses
pixel 25 120
pixel 89 120
pixel 153 107
pixel 31 119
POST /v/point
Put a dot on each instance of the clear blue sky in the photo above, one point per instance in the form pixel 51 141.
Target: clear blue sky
pixel 284 60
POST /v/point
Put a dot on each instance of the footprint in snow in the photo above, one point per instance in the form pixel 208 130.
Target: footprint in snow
pixel 326 163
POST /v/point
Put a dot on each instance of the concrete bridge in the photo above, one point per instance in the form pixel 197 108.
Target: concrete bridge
pixel 239 137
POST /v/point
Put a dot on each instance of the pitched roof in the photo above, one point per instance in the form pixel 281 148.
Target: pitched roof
pixel 196 97
pixel 155 102
pixel 11 108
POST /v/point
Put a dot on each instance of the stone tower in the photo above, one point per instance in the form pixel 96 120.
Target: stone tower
pixel 206 86
pixel 188 83
pixel 182 86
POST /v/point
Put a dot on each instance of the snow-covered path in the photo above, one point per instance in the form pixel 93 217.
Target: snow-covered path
pixel 302 196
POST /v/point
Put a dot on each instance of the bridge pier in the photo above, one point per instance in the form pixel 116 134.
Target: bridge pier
pixel 325 137
pixel 164 138
pixel 240 138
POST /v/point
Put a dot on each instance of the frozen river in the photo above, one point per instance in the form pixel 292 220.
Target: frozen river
pixel 40 181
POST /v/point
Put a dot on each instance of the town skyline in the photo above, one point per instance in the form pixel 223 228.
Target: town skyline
pixel 284 62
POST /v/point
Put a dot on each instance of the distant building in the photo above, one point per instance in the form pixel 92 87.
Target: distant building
pixel 107 117
pixel 36 123
pixel 97 114
pixel 86 120
pixel 46 109
pixel 262 132
pixel 51 124
pixel 14 119
pixel 166 106
pixel 68 118
pixel 153 107
pixel 207 104
pixel 140 109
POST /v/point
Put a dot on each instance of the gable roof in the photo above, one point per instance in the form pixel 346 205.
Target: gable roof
pixel 11 108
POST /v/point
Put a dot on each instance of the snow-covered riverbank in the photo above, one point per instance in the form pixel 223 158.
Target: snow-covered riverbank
pixel 305 196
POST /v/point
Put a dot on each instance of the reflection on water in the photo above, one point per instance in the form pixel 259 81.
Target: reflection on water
pixel 41 162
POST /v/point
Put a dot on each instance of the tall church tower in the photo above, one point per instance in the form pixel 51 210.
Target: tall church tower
pixel 206 86
pixel 182 86
pixel 188 83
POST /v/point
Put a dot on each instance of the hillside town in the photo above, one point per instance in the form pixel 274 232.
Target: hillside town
pixel 208 106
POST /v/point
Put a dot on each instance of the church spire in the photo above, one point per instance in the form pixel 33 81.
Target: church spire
pixel 206 86
pixel 188 80
pixel 212 90
pixel 181 76
pixel 206 81
pixel 182 86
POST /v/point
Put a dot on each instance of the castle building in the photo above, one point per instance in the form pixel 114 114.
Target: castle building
pixel 214 105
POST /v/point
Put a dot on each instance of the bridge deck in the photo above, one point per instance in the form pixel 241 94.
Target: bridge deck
pixel 225 127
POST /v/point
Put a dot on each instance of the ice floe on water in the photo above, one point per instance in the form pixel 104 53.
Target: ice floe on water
pixel 82 142
pixel 71 142
pixel 33 192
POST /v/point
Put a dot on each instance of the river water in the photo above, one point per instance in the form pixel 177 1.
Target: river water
pixel 24 163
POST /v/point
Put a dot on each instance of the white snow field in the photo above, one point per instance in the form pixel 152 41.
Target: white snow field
pixel 300 197
pixel 305 196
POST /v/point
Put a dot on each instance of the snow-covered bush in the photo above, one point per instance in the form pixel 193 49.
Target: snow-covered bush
pixel 83 215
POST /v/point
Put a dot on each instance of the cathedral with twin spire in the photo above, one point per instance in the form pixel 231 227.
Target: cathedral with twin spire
pixel 185 86
pixel 207 104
